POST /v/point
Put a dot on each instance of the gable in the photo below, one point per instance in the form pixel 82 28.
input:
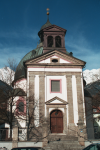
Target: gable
pixel 64 59
pixel 54 28
pixel 56 100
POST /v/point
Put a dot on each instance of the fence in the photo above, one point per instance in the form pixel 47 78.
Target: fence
pixel 22 134
pixel 5 134
pixel 93 133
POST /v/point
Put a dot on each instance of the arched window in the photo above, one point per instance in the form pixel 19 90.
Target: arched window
pixel 58 41
pixel 21 107
pixel 56 121
pixel 50 41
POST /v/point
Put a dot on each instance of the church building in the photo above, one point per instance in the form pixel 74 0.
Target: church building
pixel 53 81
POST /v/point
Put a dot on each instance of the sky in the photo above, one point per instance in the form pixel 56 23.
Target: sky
pixel 21 20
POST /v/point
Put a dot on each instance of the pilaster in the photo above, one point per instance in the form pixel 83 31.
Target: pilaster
pixel 31 97
pixel 81 131
pixel 70 99
pixel 42 95
pixel 15 137
pixel 79 97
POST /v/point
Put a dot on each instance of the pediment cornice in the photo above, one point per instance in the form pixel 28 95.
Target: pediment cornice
pixel 52 101
pixel 54 27
pixel 74 61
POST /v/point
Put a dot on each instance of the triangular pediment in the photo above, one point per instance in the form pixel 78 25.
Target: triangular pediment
pixel 56 58
pixel 54 28
pixel 56 101
pixel 63 59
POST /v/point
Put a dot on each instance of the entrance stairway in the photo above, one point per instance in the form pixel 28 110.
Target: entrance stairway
pixel 63 142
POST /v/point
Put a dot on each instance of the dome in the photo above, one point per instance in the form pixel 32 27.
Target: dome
pixel 20 71
pixel 47 24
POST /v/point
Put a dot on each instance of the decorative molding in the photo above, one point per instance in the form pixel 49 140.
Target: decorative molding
pixel 56 69
pixel 56 98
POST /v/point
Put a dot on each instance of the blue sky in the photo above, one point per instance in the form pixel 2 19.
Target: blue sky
pixel 20 21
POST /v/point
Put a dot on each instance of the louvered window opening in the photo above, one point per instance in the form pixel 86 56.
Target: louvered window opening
pixel 58 41
pixel 55 85
pixel 50 41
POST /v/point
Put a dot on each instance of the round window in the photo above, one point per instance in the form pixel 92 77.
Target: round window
pixel 54 60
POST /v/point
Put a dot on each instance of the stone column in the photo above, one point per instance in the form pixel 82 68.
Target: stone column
pixel 53 41
pixel 65 120
pixel 15 137
pixel 64 41
pixel 45 41
pixel 81 132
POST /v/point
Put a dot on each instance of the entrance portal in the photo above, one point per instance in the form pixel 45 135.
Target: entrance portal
pixel 56 121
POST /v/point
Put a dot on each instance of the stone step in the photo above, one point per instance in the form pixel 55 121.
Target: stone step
pixel 62 138
pixel 64 145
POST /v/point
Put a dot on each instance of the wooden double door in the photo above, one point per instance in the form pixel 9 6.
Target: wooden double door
pixel 56 121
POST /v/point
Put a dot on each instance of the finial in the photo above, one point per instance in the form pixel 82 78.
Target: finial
pixel 47 13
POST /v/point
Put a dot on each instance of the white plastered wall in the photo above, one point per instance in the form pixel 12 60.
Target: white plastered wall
pixel 75 103
pixel 83 98
pixel 56 69
pixel 61 95
pixel 36 95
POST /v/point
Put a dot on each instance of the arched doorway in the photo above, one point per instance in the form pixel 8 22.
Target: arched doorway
pixel 56 121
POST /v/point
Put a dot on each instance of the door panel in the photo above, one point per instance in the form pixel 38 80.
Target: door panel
pixel 53 125
pixel 59 125
pixel 56 121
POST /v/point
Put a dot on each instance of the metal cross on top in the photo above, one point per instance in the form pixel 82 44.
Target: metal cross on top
pixel 47 11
